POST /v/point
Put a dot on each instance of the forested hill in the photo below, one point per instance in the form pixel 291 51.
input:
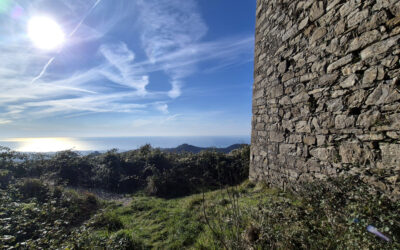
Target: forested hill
pixel 186 148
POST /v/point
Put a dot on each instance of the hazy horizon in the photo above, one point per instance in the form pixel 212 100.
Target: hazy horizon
pixel 54 144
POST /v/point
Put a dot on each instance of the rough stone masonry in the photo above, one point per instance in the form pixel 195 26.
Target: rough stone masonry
pixel 326 94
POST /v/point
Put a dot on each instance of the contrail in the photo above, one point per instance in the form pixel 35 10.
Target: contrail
pixel 69 36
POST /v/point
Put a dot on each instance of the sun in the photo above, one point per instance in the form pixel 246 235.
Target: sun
pixel 45 33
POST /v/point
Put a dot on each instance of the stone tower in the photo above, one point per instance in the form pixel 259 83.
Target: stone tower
pixel 326 94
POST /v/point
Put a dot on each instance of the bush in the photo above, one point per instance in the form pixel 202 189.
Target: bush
pixel 125 240
pixel 108 220
pixel 33 188
pixel 5 178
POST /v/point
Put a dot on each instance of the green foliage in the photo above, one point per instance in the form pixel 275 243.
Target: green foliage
pixel 159 173
pixel 108 220
pixel 5 177
pixel 33 188
pixel 34 215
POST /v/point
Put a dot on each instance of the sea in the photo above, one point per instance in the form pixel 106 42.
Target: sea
pixel 103 144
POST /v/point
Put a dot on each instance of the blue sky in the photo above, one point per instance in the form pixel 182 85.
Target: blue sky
pixel 128 68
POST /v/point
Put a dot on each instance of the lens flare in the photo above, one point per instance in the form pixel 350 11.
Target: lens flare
pixel 4 5
pixel 45 33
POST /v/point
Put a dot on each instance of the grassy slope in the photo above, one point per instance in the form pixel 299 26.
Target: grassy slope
pixel 279 221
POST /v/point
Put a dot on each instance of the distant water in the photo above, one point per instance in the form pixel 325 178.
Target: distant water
pixel 120 143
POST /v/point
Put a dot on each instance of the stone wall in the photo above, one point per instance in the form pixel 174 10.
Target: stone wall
pixel 326 94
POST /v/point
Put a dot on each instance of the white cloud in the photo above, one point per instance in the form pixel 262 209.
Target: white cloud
pixel 163 108
pixel 120 57
pixel 171 33
pixel 2 121
pixel 169 26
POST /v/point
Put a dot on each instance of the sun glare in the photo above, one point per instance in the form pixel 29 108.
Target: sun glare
pixel 45 33
pixel 47 144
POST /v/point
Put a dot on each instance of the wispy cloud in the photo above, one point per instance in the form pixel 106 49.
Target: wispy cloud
pixel 2 121
pixel 120 57
pixel 171 34
pixel 170 26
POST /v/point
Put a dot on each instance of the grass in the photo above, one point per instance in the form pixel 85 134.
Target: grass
pixel 258 217
pixel 332 215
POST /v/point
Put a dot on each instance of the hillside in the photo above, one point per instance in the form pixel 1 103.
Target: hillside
pixel 186 148
pixel 163 200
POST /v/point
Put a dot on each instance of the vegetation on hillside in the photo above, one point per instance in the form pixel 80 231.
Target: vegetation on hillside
pixel 159 173
pixel 180 201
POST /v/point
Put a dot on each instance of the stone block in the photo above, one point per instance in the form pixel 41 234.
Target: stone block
pixel 275 136
pixel 318 33
pixel 349 81
pixel 309 140
pixel 370 76
pixel 350 152
pixel 390 154
pixel 357 18
pixel 364 40
pixel 339 63
pixel 323 154
pixel 303 127
pixel 368 119
pixel 379 47
pixel 316 11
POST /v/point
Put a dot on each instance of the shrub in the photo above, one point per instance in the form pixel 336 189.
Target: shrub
pixel 5 177
pixel 125 240
pixel 108 220
pixel 33 188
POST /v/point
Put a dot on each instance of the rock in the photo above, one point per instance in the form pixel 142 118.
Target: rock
pixel 357 18
pixel 335 105
pixel 339 63
pixel 352 68
pixel 321 140
pixel 349 81
pixel 332 4
pixel 275 136
pixel 303 23
pixel 390 154
pixel 287 149
pixel 260 126
pixel 356 99
pixel 318 33
pixel 371 137
pixel 348 7
pixel 395 10
pixel 328 79
pixel 309 140
pixel 379 95
pixel 379 47
pixel 303 127
pixel 343 121
pixel 275 91
pixel 282 67
pixel 366 120
pixel 350 152
pixel 285 101
pixel 323 154
pixel 393 22
pixel 370 76
pixel 393 135
pixel 302 97
pixel 317 10
pixel 340 27
pixel 364 40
